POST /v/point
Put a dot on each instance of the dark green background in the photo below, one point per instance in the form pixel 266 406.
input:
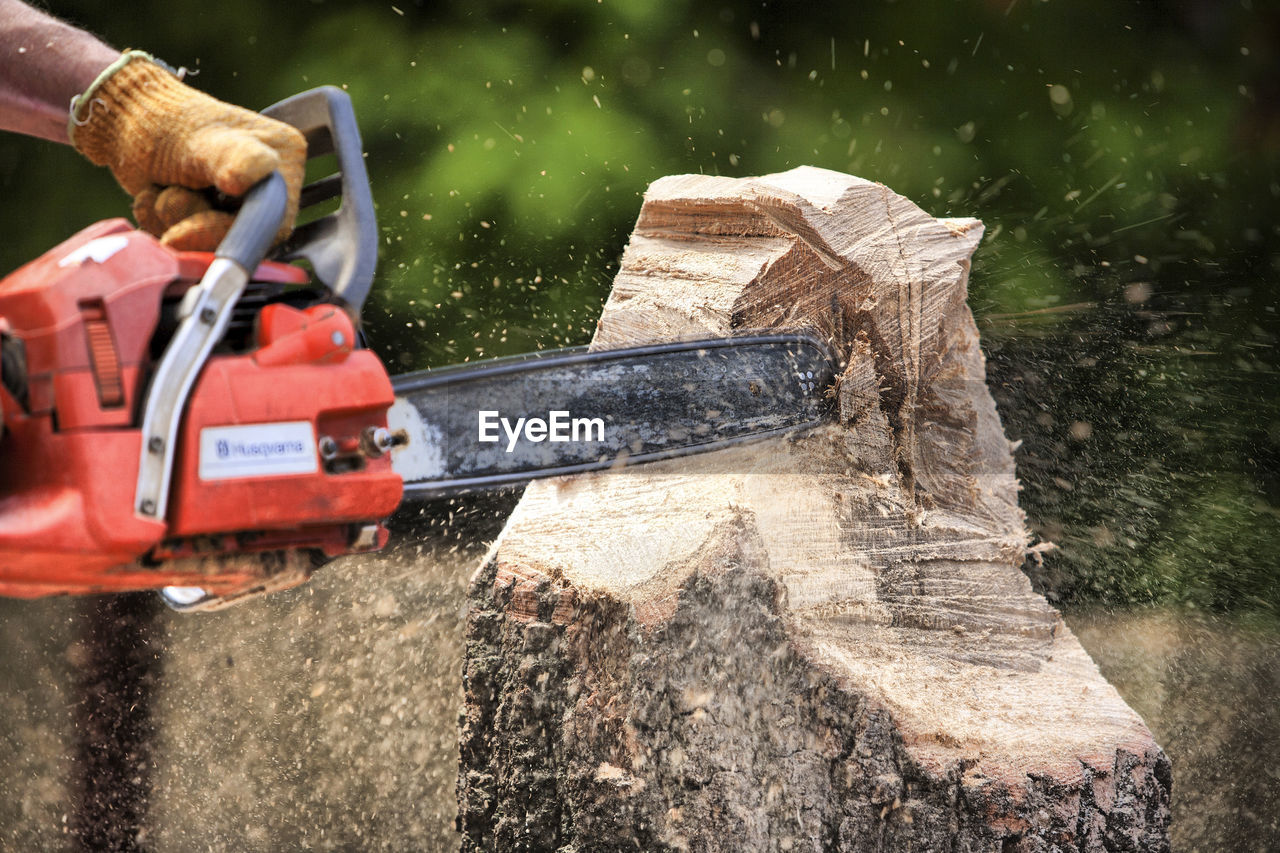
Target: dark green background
pixel 1122 155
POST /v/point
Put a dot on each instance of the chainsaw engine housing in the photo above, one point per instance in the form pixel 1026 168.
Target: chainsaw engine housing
pixel 250 474
pixel 279 461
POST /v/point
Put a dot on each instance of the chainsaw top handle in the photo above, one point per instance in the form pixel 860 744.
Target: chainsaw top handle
pixel 342 246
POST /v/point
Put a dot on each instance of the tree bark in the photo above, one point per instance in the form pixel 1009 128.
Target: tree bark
pixel 812 643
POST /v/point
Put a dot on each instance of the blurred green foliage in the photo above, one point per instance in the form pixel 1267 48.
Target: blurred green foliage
pixel 1123 156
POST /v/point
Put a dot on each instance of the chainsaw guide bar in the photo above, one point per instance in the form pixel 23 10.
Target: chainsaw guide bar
pixel 506 421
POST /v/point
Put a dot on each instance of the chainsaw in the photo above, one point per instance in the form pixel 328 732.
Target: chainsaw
pixel 213 426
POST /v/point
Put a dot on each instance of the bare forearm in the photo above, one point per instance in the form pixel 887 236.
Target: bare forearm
pixel 44 63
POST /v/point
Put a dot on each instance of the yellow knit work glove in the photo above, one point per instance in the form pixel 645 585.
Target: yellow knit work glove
pixel 163 140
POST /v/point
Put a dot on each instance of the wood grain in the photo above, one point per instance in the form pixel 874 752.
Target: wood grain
pixel 818 642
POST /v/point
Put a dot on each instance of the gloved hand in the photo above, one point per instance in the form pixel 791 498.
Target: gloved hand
pixel 162 140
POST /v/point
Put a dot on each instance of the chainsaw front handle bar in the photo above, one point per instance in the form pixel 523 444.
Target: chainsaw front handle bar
pixel 342 247
pixel 203 317
pixel 260 217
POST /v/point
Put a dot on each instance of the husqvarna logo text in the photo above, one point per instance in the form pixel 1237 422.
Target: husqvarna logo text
pixel 257 450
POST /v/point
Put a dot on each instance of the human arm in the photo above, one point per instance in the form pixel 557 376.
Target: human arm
pixel 163 141
pixel 44 63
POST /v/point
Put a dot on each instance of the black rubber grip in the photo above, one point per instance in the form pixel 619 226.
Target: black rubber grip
pixel 260 217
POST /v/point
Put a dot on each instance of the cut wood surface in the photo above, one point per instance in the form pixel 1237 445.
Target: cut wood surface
pixel 818 642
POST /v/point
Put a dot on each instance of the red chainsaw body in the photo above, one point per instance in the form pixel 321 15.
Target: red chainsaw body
pixel 248 477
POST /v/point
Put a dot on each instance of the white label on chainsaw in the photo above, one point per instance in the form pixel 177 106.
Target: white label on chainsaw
pixel 99 251
pixel 257 450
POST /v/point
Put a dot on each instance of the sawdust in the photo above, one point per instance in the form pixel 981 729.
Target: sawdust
pixel 323 717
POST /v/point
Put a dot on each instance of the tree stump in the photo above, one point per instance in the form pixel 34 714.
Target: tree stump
pixel 818 642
